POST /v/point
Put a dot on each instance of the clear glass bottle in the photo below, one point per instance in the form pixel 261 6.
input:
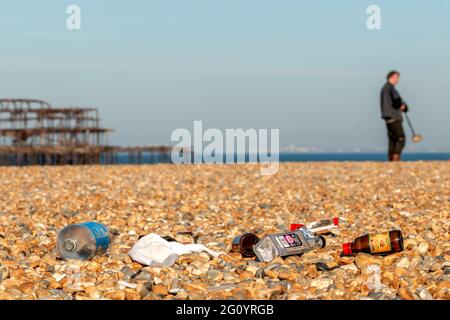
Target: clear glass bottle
pixel 287 244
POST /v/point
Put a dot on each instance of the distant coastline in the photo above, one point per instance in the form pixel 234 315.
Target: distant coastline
pixel 361 156
pixel 321 157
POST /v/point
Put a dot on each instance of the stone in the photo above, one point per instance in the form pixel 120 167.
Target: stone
pixel 229 276
pixel 390 259
pixel 363 260
pixel 271 273
pixel 328 266
pixel 443 290
pixel 323 283
pixel 403 263
pixel 423 248
pixel 429 235
pixel 447 270
pixel 373 281
pixel 176 286
pixel 252 268
pixel 144 287
pixel 345 260
pixel 199 267
pixel 287 275
pixel 349 268
pixel 124 284
pixel 160 290
pixel 115 295
pixel 182 295
pixel 4 273
pixel 82 296
pixel 131 221
pixel 195 287
pixel 197 295
pixel 214 275
pixel 260 273
pixel 311 271
pixel 92 292
pixel 241 294
pixel 435 266
pixel 11 282
pixel 246 275
pixel 424 294
pixel 143 275
pixel 132 295
pixel 26 287
pixel 406 294
pixel 409 244
pixel 401 272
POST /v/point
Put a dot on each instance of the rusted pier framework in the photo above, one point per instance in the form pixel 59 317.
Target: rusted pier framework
pixel 32 132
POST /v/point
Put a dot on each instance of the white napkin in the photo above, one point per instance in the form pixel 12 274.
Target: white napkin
pixel 152 250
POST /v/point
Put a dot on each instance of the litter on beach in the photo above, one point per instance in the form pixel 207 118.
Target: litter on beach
pixel 319 227
pixel 153 250
pixel 287 244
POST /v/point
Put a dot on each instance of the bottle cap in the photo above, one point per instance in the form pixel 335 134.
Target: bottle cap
pixel 336 221
pixel 295 226
pixel 347 249
pixel 70 245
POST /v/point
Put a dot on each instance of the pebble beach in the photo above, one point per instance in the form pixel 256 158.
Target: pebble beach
pixel 211 204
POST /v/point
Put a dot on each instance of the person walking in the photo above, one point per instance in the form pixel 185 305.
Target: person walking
pixel 392 107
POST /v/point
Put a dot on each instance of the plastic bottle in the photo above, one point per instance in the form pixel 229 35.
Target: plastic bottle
pixel 287 244
pixel 83 241
pixel 378 243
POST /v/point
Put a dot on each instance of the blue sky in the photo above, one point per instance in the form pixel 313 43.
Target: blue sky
pixel 310 68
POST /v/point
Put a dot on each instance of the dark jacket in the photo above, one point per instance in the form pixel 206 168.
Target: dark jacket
pixel 391 103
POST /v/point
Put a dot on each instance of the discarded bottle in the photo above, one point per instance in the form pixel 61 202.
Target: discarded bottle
pixel 319 227
pixel 83 241
pixel 287 244
pixel 379 243
pixel 245 244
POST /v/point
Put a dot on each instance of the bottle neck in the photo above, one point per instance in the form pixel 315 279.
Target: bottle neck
pixel 70 245
pixel 348 249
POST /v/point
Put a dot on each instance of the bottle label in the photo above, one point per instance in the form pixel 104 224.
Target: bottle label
pixel 289 240
pixel 380 242
pixel 101 234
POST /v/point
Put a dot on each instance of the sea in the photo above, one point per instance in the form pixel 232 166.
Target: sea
pixel 312 157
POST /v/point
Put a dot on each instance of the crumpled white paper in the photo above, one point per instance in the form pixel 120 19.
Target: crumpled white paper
pixel 152 250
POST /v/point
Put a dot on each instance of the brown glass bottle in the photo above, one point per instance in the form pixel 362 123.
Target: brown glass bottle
pixel 244 244
pixel 378 243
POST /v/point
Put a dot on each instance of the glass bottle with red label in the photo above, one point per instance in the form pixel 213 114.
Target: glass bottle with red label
pixel 378 243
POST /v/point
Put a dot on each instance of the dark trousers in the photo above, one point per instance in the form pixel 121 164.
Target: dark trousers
pixel 396 136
